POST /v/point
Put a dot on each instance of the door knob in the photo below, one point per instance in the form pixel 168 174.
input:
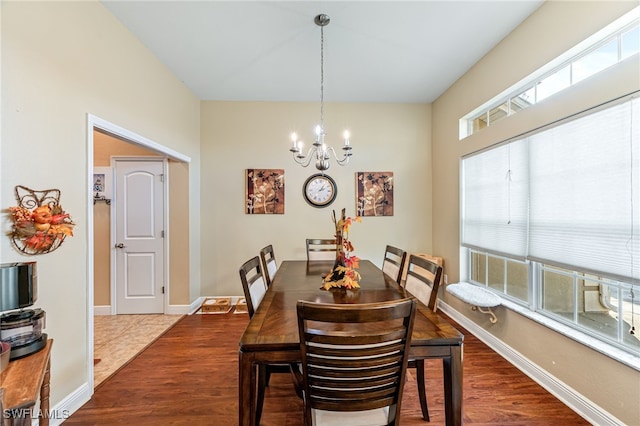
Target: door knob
pixel 120 245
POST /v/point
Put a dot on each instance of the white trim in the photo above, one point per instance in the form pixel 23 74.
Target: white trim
pixel 170 309
pixel 177 310
pixel 195 305
pixel 577 402
pixel 90 265
pixel 102 310
pixel 134 138
pixel 69 405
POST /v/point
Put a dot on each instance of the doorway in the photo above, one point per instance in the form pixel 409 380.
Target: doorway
pixel 102 238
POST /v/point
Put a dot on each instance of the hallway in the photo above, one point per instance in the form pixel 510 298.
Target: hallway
pixel 119 338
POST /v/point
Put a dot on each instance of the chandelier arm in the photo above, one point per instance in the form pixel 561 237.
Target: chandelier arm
pixel 345 157
pixel 298 158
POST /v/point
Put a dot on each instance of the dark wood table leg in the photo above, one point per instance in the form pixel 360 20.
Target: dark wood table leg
pixel 246 389
pixel 453 387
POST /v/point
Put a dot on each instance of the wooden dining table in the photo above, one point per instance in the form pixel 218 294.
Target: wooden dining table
pixel 272 333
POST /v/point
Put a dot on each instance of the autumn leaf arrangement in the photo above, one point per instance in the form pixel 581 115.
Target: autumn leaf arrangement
pixel 40 224
pixel 344 274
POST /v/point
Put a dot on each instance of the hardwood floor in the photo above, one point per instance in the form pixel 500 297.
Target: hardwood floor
pixel 190 376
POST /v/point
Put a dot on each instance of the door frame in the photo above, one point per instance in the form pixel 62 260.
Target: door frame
pixel 165 226
pixel 97 123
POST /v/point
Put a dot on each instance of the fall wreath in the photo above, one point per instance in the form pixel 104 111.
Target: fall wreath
pixel 40 224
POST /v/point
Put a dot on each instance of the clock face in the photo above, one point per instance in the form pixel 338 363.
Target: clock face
pixel 319 190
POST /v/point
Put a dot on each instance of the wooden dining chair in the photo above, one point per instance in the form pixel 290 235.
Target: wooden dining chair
pixel 393 263
pixel 269 265
pixel 321 249
pixel 354 360
pixel 254 287
pixel 423 280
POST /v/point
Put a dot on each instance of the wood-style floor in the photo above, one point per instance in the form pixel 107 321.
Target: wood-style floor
pixel 189 376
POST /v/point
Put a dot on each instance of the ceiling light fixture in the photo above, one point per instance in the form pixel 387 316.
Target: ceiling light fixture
pixel 319 150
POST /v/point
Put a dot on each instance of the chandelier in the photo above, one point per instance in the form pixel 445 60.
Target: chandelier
pixel 319 150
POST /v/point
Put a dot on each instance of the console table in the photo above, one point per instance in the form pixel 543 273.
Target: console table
pixel 23 382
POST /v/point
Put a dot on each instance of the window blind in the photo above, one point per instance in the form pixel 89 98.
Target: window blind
pixel 568 195
pixel 584 192
pixel 494 205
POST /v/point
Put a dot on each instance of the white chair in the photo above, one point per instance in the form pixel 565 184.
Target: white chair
pixel 321 249
pixel 269 265
pixel 393 262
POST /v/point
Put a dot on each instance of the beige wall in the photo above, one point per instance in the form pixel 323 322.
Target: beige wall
pixel 104 147
pixel 553 29
pixel 60 62
pixel 241 135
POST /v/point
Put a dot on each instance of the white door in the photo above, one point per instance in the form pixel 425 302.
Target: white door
pixel 139 245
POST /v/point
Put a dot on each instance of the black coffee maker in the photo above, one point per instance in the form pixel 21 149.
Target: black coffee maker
pixel 21 328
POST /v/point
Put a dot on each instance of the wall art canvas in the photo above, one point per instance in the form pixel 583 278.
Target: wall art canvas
pixel 264 191
pixel 374 193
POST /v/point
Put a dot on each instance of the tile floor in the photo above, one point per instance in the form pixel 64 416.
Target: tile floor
pixel 119 338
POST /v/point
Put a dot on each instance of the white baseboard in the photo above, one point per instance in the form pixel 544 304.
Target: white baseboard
pixel 102 310
pixel 569 396
pixel 178 309
pixel 195 305
pixel 69 405
pixel 171 309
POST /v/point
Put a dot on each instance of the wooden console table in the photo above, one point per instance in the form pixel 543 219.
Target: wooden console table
pixel 23 382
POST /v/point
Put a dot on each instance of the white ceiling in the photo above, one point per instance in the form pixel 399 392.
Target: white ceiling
pixel 375 51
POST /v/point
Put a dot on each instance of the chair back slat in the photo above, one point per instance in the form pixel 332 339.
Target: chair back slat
pixel 354 357
pixel 423 280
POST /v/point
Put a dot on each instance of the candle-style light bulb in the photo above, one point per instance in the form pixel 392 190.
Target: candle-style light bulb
pixel 300 144
pixel 346 138
pixel 294 139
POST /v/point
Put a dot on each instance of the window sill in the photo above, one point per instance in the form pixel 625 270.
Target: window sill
pixel 619 355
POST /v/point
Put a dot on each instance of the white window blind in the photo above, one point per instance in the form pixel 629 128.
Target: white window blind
pixel 494 205
pixel 568 195
pixel 584 192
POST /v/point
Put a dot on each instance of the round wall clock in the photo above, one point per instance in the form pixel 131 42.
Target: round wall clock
pixel 319 190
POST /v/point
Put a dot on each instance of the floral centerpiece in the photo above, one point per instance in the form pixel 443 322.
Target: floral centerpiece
pixel 343 274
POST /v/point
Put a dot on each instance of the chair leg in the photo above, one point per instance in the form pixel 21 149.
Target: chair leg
pixel 422 392
pixel 262 378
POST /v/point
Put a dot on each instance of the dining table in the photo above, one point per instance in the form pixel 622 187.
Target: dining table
pixel 272 333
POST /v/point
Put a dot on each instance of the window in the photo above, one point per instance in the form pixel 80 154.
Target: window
pixel 609 46
pixel 551 221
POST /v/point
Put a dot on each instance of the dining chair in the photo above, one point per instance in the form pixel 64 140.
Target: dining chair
pixel 423 280
pixel 254 287
pixel 269 264
pixel 321 249
pixel 354 360
pixel 393 263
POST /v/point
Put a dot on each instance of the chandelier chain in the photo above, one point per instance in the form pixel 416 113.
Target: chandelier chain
pixel 322 77
pixel 319 151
